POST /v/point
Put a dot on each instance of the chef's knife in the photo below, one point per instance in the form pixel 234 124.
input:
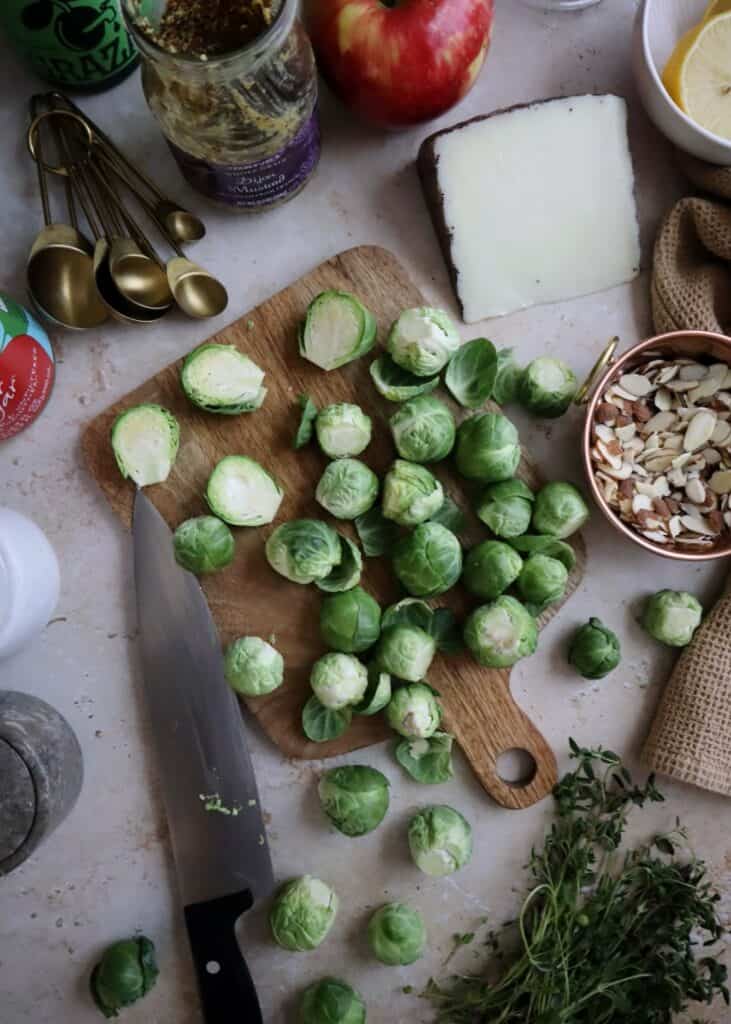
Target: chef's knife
pixel 208 785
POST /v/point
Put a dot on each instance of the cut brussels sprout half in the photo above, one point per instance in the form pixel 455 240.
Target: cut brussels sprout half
pixel 406 652
pixel 346 574
pixel 423 429
pixel 500 634
pixel 450 515
pixel 253 667
pixel 203 544
pixel 338 681
pixel 594 650
pixel 304 550
pixel 377 534
pixel 559 510
pixel 490 568
pixel 331 1001
pixel 242 493
pixel 506 508
pixel 488 448
pixel 440 840
pixel 219 378
pixel 542 581
pixel 414 711
pixel 303 913
pixel 306 428
pixel 397 384
pixel 397 935
pixel 411 494
pixel 347 488
pixel 145 443
pixel 672 617
pixel 531 544
pixel 428 761
pixel 337 329
pixel 378 692
pixel 343 430
pixel 470 376
pixel 507 378
pixel 429 561
pixel 547 387
pixel 321 724
pixel 126 972
pixel 350 622
pixel 354 797
pixel 423 340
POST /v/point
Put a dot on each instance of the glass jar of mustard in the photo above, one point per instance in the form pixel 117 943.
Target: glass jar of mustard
pixel 241 122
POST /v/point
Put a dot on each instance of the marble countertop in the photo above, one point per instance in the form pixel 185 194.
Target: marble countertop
pixel 107 871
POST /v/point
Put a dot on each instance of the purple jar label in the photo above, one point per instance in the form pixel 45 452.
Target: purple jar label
pixel 258 184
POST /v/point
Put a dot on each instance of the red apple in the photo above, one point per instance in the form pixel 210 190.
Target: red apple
pixel 401 62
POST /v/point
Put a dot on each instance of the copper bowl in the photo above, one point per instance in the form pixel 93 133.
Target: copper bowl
pixel 607 371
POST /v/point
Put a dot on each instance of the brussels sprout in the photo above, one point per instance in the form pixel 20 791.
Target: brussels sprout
pixel 594 650
pixel 414 712
pixel 411 494
pixel 672 617
pixel 429 561
pixel 126 972
pixel 303 550
pixel 423 429
pixel 501 633
pixel 397 934
pixel 440 840
pixel 439 623
pixel 397 384
pixel 145 442
pixel 350 622
pixel 490 568
pixel 346 574
pixel 253 667
pixel 547 387
pixel 354 797
pixel 559 510
pixel 506 508
pixel 320 724
pixel 471 374
pixel 488 448
pixel 533 544
pixel 343 430
pixel 338 680
pixel 377 534
pixel 450 515
pixel 337 329
pixel 331 1001
pixel 306 427
pixel 427 761
pixel 507 378
pixel 542 581
pixel 406 652
pixel 242 493
pixel 378 692
pixel 203 544
pixel 303 913
pixel 423 340
pixel 219 378
pixel 347 488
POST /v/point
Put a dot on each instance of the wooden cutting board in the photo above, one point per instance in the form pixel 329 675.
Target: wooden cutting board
pixel 248 597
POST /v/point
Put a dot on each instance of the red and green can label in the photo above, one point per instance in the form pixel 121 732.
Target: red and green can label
pixel 26 368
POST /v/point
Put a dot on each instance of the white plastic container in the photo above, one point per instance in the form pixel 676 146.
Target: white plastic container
pixel 29 580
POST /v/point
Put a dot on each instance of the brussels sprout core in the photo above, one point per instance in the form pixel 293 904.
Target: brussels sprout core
pixel 397 934
pixel 440 840
pixel 338 681
pixel 253 667
pixel 429 561
pixel 126 972
pixel 331 1001
pixel 672 617
pixel 501 633
pixel 343 430
pixel 411 494
pixel 355 798
pixel 423 341
pixel 347 488
pixel 594 651
pixel 203 544
pixel 303 913
pixel 414 712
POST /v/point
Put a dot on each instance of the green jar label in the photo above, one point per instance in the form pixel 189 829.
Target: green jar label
pixel 72 42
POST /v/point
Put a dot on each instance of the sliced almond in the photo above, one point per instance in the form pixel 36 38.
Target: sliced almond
pixel 604 432
pixel 641 503
pixel 656 536
pixel 636 384
pixel 727 519
pixel 646 488
pixel 626 433
pixel 696 491
pixel 706 389
pixel 711 456
pixel 660 421
pixel 663 399
pixel 720 482
pixel 662 487
pixel 667 373
pixel 672 442
pixel 721 433
pixel 675 526
pixel 693 371
pixel 611 457
pixel 659 463
pixel 699 430
pixel 680 386
pixel 696 524
pixel 715 521
pixel 606 413
pixel 677 477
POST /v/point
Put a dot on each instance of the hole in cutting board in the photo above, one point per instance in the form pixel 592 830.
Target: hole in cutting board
pixel 516 767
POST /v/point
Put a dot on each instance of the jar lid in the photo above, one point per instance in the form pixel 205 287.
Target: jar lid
pixel 17 802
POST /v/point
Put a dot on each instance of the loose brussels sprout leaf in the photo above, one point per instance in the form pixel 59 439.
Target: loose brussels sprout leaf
pixel 219 378
pixel 303 913
pixel 414 711
pixel 428 761
pixel 429 561
pixel 532 544
pixel 350 622
pixel 490 568
pixel 488 448
pixel 559 510
pixel 501 633
pixel 343 430
pixel 347 572
pixel 405 652
pixel 450 515
pixel 542 581
pixel 470 375
pixel 337 329
pixel 347 488
pixel 397 935
pixel 547 387
pixel 203 544
pixel 672 617
pixel 306 427
pixel 377 534
pixel 507 515
pixel 423 429
pixel 378 692
pixel 355 798
pixel 304 550
pixel 423 340
pixel 338 681
pixel 507 378
pixel 145 442
pixel 320 724
pixel 126 972
pixel 439 623
pixel 253 667
pixel 594 650
pixel 331 1001
pixel 242 493
pixel 440 840
pixel 445 630
pixel 411 494
pixel 397 384
pixel 515 488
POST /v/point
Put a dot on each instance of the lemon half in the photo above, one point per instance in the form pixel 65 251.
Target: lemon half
pixel 698 75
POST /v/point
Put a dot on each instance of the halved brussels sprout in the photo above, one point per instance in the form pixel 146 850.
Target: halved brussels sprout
pixel 428 761
pixel 306 428
pixel 423 429
pixel 126 972
pixel 331 1001
pixel 542 581
pixel 440 840
pixel 338 680
pixel 429 561
pixel 303 550
pixel 470 376
pixel 378 692
pixel 337 329
pixel 397 384
pixel 414 711
pixel 145 442
pixel 501 633
pixel 321 724
pixel 507 378
pixel 203 544
pixel 253 667
pixel 559 510
pixel 242 493
pixel 346 574
pixel 350 622
pixel 411 494
pixel 594 650
pixel 219 378
pixel 343 430
pixel 423 340
pixel 303 913
pixel 397 934
pixel 347 488
pixel 488 448
pixel 547 387
pixel 354 797
pixel 506 508
pixel 406 652
pixel 490 568
pixel 672 617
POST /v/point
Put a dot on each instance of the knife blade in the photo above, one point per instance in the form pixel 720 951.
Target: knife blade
pixel 208 785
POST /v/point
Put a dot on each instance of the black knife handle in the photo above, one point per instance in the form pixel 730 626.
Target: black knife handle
pixel 227 992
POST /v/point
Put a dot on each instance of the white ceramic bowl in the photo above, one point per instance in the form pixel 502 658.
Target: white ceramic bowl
pixel 659 26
